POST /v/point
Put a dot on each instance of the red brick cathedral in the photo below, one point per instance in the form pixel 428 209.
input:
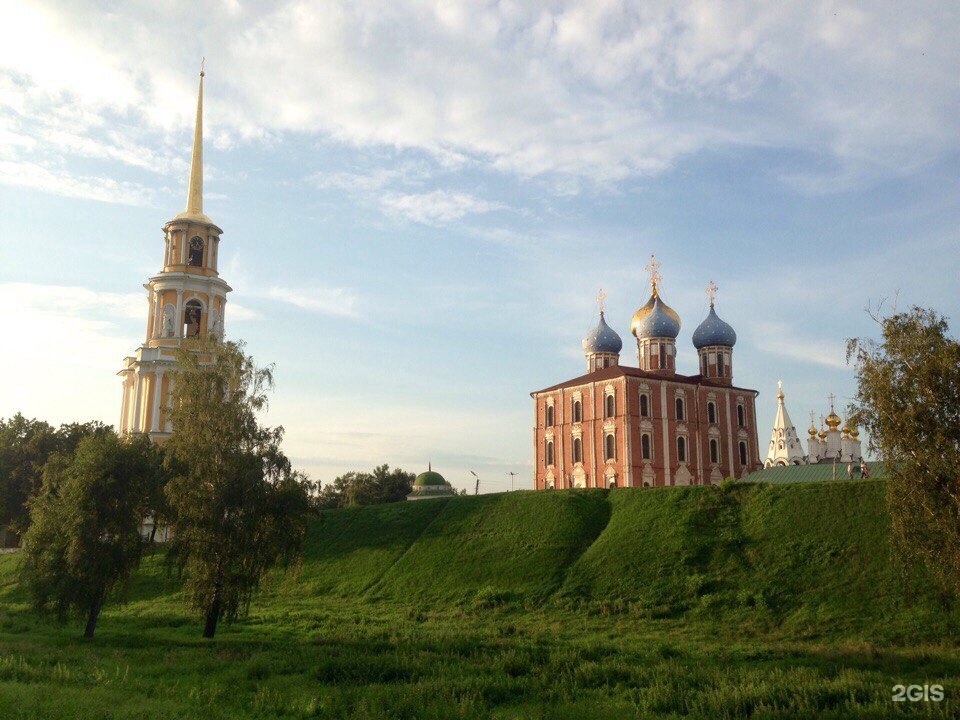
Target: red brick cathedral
pixel 648 425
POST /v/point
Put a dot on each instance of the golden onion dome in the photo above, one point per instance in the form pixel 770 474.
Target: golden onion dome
pixel 640 314
pixel 845 430
pixel 822 434
pixel 833 420
pixel 812 431
pixel 854 433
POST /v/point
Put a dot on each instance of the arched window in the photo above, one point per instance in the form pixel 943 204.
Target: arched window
pixel 610 448
pixel 679 408
pixel 644 405
pixel 719 364
pixel 191 318
pixel 741 421
pixel 549 452
pixel 743 452
pixel 703 364
pixel 662 355
pixel 609 406
pixel 711 412
pixel 645 446
pixel 549 416
pixel 196 251
pixel 681 449
pixel 577 411
pixel 577 450
pixel 714 451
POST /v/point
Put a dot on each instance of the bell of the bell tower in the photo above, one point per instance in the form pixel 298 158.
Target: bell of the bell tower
pixel 186 299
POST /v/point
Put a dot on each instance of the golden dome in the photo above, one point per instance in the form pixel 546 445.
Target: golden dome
pixel 854 433
pixel 845 430
pixel 822 434
pixel 640 314
pixel 833 420
pixel 812 431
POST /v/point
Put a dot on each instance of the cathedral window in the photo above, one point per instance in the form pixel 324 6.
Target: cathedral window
pixel 549 416
pixel 191 318
pixel 610 448
pixel 714 451
pixel 577 450
pixel 680 408
pixel 711 412
pixel 644 405
pixel 645 446
pixel 703 364
pixel 740 416
pixel 743 452
pixel 609 406
pixel 662 355
pixel 681 449
pixel 196 251
pixel 549 452
pixel 577 411
pixel 719 364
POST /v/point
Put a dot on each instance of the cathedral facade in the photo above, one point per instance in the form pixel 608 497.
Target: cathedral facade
pixel 623 426
pixel 186 299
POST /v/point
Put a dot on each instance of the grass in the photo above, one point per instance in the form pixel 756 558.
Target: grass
pixel 743 601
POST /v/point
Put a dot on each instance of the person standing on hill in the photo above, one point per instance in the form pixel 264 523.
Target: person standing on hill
pixel 849 469
pixel 864 470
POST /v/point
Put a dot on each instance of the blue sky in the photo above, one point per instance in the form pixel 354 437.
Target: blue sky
pixel 421 200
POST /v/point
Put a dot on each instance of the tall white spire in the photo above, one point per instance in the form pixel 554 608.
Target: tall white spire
pixel 785 447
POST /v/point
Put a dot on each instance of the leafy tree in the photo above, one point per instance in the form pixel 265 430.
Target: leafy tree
pixel 237 507
pixel 908 398
pixel 84 535
pixel 25 446
pixel 362 488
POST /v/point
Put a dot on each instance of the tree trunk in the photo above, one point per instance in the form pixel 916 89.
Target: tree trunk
pixel 213 613
pixel 92 617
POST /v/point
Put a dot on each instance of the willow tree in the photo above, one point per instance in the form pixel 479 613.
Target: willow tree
pixel 84 535
pixel 236 506
pixel 908 398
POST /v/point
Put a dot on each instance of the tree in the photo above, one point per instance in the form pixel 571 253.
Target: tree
pixel 908 399
pixel 366 488
pixel 236 505
pixel 84 535
pixel 25 446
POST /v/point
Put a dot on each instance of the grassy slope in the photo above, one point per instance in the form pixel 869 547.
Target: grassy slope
pixel 731 602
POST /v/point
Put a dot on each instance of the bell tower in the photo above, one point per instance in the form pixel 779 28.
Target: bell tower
pixel 186 299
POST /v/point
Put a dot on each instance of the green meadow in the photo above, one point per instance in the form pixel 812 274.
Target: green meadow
pixel 743 601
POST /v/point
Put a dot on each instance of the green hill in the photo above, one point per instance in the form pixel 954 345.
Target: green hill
pixel 744 600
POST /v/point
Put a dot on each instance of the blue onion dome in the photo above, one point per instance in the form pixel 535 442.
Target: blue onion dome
pixel 660 321
pixel 602 339
pixel 713 331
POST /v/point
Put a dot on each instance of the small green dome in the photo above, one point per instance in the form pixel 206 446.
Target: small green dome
pixel 429 478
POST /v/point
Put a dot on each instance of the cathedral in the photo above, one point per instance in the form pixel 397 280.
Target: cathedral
pixel 622 426
pixel 185 299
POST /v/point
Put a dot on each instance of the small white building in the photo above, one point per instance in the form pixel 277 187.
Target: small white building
pixel 832 443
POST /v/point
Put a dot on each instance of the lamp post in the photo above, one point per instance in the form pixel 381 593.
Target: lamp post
pixel 512 476
pixel 476 490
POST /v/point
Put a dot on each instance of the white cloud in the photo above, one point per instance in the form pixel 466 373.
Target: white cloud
pixel 339 302
pixel 436 207
pixel 580 93
pixel 61 182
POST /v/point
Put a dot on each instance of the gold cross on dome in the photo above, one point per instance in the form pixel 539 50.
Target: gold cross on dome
pixel 601 296
pixel 711 291
pixel 654 269
pixel 831 397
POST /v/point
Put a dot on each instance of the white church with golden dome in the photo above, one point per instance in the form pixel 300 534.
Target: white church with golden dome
pixel 186 299
pixel 832 443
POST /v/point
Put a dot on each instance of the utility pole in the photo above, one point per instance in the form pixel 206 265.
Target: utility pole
pixel 512 476
pixel 476 490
